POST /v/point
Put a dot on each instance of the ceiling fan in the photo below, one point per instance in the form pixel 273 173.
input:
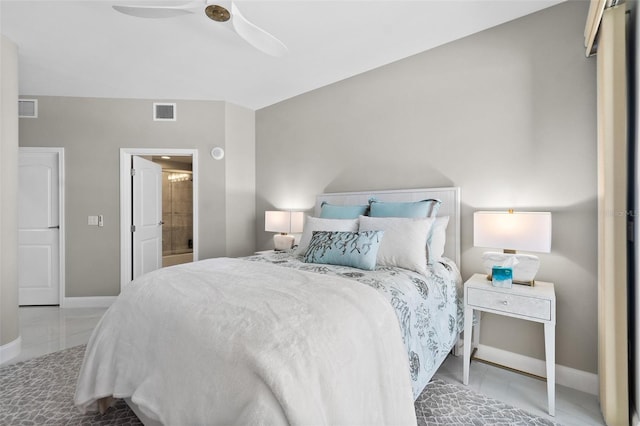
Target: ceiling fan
pixel 223 12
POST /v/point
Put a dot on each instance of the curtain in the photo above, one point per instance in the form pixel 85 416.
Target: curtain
pixel 612 217
pixel 596 8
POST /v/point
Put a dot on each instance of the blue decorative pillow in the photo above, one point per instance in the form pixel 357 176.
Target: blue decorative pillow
pixel 355 249
pixel 416 209
pixel 333 211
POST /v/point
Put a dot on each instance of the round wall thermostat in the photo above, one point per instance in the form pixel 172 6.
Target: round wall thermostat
pixel 217 153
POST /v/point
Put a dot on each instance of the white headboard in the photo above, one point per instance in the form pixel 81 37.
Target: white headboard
pixel 450 206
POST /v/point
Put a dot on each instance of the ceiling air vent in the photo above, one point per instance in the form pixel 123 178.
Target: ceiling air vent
pixel 27 108
pixel 164 112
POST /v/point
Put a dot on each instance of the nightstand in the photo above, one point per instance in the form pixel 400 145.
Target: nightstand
pixel 537 303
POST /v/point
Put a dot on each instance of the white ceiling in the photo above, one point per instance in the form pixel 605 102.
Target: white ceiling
pixel 85 48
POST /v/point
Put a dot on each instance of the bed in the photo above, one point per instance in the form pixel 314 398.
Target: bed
pixel 272 339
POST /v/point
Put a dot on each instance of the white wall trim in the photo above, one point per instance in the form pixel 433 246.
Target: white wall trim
pixel 61 216
pixel 125 203
pixel 10 350
pixel 89 302
pixel 565 376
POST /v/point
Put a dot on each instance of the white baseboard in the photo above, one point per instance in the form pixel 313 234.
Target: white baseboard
pixel 88 302
pixel 10 350
pixel 565 376
pixel 635 420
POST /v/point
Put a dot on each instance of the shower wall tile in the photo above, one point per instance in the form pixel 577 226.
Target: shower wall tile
pixel 177 215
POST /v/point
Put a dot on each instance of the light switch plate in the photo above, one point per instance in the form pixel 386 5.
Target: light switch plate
pixel 93 221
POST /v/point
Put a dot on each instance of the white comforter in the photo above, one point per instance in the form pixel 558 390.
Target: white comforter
pixel 228 341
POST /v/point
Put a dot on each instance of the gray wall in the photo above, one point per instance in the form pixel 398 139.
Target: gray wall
pixel 92 131
pixel 9 330
pixel 507 114
pixel 241 180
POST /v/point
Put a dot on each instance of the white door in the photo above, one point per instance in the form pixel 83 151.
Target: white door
pixel 147 216
pixel 38 227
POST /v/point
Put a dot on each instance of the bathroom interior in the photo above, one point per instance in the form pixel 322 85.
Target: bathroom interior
pixel 177 209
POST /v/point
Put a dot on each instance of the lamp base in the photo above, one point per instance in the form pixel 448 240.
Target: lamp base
pixel 283 241
pixel 524 270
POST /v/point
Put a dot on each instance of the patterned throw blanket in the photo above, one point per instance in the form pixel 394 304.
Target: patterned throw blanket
pixel 429 308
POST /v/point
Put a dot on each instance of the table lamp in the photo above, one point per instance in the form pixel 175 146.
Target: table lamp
pixel 511 231
pixel 284 222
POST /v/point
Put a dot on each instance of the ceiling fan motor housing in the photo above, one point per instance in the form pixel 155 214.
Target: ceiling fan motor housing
pixel 217 13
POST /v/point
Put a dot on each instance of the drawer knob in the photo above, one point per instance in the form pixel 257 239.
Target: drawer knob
pixel 505 302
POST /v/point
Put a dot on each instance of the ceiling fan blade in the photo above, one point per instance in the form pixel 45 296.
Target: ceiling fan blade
pixel 148 11
pixel 256 36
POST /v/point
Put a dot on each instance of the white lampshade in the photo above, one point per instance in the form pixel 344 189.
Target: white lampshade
pixel 527 231
pixel 284 222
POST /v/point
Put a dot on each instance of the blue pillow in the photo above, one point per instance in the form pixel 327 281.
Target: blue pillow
pixel 416 209
pixel 333 211
pixel 355 249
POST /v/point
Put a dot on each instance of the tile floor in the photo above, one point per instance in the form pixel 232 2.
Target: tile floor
pixel 573 407
pixel 50 329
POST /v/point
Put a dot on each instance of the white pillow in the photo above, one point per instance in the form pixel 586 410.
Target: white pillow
pixel 404 243
pixel 437 238
pixel 321 224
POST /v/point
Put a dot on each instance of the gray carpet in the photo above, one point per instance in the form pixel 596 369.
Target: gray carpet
pixel 40 392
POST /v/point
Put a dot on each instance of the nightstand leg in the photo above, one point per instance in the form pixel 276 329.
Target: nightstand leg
pixel 468 331
pixel 476 331
pixel 550 354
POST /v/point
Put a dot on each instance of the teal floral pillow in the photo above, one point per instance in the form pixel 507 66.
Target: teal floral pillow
pixel 355 249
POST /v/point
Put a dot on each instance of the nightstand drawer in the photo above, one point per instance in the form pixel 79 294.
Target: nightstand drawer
pixel 533 307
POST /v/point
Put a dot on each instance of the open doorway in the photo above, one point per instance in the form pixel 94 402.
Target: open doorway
pixel 177 208
pixel 185 230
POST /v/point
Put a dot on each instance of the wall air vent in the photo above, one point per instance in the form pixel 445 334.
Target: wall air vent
pixel 164 112
pixel 27 108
